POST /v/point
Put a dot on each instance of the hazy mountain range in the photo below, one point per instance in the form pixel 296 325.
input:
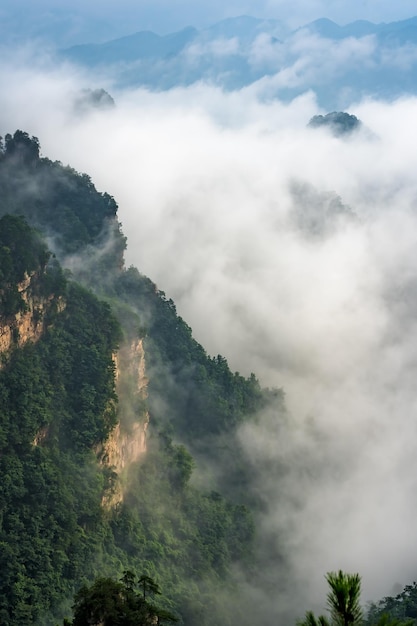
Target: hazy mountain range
pixel 340 64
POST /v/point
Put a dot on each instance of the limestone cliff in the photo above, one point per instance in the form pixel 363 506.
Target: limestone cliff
pixel 28 324
pixel 127 443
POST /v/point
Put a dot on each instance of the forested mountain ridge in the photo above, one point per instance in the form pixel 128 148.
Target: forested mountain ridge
pixel 112 418
pixel 74 505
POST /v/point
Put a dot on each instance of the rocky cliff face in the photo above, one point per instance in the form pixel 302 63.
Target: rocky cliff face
pixel 124 448
pixel 127 443
pixel 28 325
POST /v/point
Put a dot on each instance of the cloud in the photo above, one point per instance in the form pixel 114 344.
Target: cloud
pixel 215 48
pixel 218 193
pixel 402 58
pixel 307 60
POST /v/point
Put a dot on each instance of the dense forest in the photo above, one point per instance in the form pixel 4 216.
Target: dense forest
pixel 60 403
pixel 78 535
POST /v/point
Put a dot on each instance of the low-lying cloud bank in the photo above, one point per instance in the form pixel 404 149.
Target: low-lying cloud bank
pixel 292 253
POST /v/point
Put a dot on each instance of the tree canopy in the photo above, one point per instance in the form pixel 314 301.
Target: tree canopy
pixel 108 602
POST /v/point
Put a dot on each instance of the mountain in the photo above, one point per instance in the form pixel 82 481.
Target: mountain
pixel 142 45
pixel 339 63
pixel 245 27
pixel 330 30
pixel 120 454
pixel 398 33
pixel 339 122
pixel 106 402
pixel 181 58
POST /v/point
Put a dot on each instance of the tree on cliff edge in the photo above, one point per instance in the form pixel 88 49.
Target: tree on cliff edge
pixel 108 602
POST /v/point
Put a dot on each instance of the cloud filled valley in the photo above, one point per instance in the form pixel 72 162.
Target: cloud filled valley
pixel 292 253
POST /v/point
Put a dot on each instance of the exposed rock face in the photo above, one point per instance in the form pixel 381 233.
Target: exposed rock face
pixel 127 442
pixel 124 448
pixel 27 325
pixel 40 436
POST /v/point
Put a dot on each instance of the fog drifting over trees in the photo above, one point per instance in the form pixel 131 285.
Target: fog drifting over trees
pixel 215 191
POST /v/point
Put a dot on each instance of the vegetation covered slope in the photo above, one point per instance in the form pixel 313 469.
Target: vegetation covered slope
pixel 58 405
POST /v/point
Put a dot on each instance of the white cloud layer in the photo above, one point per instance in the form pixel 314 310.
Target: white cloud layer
pixel 227 204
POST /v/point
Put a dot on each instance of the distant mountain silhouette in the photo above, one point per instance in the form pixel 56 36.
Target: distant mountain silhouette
pixel 142 45
pixel 402 32
pixel 237 52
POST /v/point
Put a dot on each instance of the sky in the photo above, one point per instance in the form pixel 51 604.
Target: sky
pixel 81 21
pixel 292 253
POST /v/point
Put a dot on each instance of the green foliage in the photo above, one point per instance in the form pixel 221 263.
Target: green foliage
pixel 58 404
pixel 148 586
pixel 386 620
pixel 343 602
pixel 22 253
pixel 59 200
pixel 311 620
pixel 188 538
pixel 201 395
pixel 84 337
pixel 108 602
pixel 22 149
pixel 401 608
pixel 343 599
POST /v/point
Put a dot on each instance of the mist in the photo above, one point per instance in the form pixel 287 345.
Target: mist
pixel 292 253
